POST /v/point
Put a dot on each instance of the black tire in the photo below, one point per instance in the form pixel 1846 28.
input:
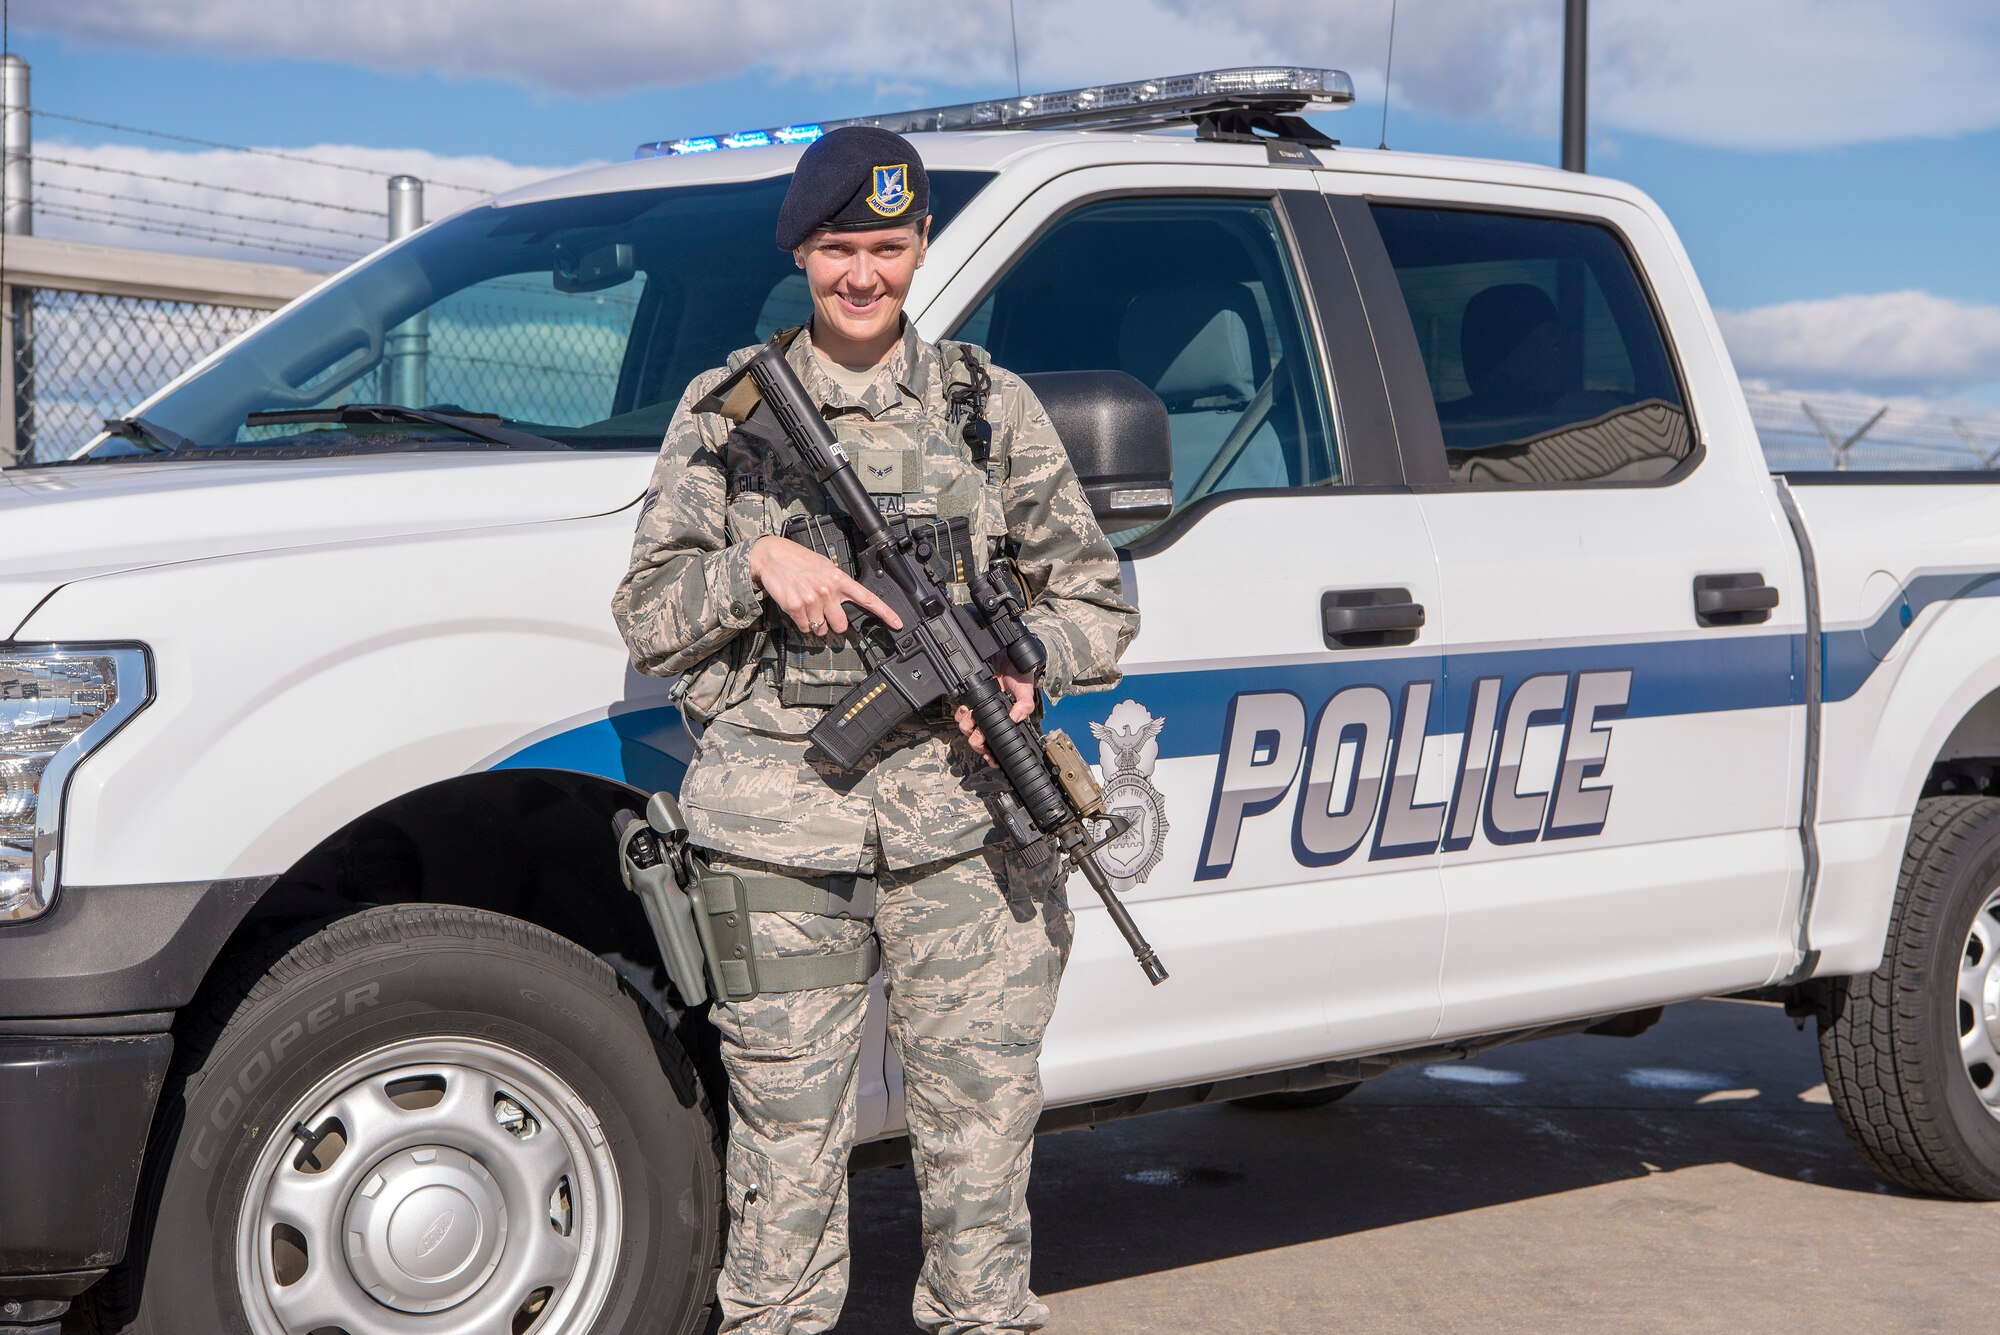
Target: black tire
pixel 393 975
pixel 1889 1043
pixel 1296 1100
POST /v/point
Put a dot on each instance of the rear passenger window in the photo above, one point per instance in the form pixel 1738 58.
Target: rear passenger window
pixel 1197 299
pixel 1544 356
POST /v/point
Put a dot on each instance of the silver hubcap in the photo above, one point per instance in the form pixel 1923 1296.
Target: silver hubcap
pixel 439 1186
pixel 1979 1003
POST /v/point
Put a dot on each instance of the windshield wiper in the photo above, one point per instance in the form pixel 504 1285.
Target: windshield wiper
pixel 148 435
pixel 480 426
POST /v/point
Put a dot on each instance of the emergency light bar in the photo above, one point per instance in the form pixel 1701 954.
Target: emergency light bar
pixel 1257 91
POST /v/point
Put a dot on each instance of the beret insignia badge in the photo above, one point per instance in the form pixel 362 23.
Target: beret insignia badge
pixel 892 190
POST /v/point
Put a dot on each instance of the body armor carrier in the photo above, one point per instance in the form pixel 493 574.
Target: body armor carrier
pixel 945 491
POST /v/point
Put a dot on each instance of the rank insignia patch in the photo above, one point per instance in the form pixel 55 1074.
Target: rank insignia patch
pixel 892 190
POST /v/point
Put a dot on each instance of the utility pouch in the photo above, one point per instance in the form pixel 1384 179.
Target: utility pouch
pixel 820 673
pixel 948 543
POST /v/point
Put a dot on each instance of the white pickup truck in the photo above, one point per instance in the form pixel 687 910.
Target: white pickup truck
pixel 1489 686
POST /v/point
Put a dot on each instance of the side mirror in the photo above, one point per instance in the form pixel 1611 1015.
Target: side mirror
pixel 1115 430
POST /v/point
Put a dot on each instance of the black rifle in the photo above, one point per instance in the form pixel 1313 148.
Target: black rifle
pixel 942 652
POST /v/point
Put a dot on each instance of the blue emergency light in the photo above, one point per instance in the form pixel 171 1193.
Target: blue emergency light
pixel 1268 91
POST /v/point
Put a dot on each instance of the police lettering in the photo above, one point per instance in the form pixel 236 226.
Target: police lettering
pixel 1359 756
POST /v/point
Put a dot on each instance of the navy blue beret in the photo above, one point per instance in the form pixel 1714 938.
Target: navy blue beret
pixel 857 176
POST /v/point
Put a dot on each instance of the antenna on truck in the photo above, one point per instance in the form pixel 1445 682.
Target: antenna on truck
pixel 1388 68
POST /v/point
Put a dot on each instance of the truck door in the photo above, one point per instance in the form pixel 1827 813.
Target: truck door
pixel 1249 743
pixel 1624 608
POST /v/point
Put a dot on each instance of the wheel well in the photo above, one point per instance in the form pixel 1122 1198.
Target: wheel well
pixel 1969 760
pixel 534 844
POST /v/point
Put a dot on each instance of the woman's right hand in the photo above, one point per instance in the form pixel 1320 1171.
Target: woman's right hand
pixel 809 589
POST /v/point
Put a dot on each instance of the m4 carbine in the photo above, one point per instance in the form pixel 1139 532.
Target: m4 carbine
pixel 943 652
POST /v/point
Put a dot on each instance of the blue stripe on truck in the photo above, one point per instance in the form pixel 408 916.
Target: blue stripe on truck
pixel 647 748
pixel 643 747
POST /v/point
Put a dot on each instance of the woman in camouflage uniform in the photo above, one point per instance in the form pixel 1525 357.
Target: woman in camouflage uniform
pixel 757 623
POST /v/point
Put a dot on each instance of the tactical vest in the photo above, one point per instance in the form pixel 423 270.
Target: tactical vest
pixel 947 481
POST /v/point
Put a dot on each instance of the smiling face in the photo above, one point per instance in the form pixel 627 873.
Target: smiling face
pixel 859 281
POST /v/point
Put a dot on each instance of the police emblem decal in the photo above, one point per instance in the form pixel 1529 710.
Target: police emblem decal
pixel 1128 748
pixel 892 190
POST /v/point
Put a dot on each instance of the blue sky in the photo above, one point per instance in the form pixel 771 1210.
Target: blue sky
pixel 1795 175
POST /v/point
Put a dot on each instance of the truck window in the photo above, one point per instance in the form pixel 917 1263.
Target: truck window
pixel 1198 299
pixel 579 317
pixel 514 346
pixel 1544 356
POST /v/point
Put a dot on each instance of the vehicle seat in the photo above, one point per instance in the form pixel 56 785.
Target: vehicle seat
pixel 1194 348
pixel 1520 424
pixel 1509 343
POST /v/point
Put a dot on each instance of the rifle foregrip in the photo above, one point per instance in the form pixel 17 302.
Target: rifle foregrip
pixel 1012 746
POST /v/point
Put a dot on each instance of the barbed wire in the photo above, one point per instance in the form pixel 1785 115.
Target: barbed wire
pixel 192 231
pixel 212 213
pixel 214 232
pixel 241 148
pixel 202 185
pixel 1818 430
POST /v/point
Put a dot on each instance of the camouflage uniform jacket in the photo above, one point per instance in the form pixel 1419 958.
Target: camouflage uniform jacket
pixel 687 605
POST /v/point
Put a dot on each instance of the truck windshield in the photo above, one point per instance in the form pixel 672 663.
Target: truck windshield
pixel 577 320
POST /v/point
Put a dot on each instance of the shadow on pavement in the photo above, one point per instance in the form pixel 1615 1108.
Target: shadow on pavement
pixel 1715 1083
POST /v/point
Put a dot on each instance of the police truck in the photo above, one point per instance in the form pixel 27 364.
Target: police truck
pixel 1489 686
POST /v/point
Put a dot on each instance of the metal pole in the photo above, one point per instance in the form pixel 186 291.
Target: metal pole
pixel 1575 67
pixel 17 219
pixel 8 458
pixel 16 179
pixel 406 353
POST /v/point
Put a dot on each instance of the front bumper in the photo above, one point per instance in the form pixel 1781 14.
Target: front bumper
pixel 74 1112
pixel 87 994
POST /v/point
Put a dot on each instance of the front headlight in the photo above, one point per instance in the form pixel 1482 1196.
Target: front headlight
pixel 57 702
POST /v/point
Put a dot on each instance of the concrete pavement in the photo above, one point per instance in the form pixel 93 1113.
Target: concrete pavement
pixel 1691 1179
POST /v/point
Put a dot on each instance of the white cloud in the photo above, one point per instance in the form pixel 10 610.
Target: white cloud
pixel 1762 74
pixel 605 45
pixel 98 192
pixel 1892 343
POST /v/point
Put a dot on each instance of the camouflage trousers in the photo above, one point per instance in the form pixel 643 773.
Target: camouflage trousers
pixel 971 959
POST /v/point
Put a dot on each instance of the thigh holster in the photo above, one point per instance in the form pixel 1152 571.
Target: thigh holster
pixel 700 915
pixel 723 902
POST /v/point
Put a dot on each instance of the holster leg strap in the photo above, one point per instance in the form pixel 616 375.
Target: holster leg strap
pixel 832 896
pixel 796 973
pixel 740 972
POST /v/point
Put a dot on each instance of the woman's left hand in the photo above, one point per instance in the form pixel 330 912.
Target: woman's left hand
pixel 1022 688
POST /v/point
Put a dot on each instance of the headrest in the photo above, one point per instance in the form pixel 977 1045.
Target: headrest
pixel 1191 345
pixel 1500 323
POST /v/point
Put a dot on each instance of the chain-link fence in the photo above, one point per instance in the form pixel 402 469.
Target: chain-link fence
pixel 80 357
pixel 529 353
pixel 523 352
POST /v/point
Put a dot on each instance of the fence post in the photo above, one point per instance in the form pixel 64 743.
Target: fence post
pixel 1841 447
pixel 17 407
pixel 407 349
